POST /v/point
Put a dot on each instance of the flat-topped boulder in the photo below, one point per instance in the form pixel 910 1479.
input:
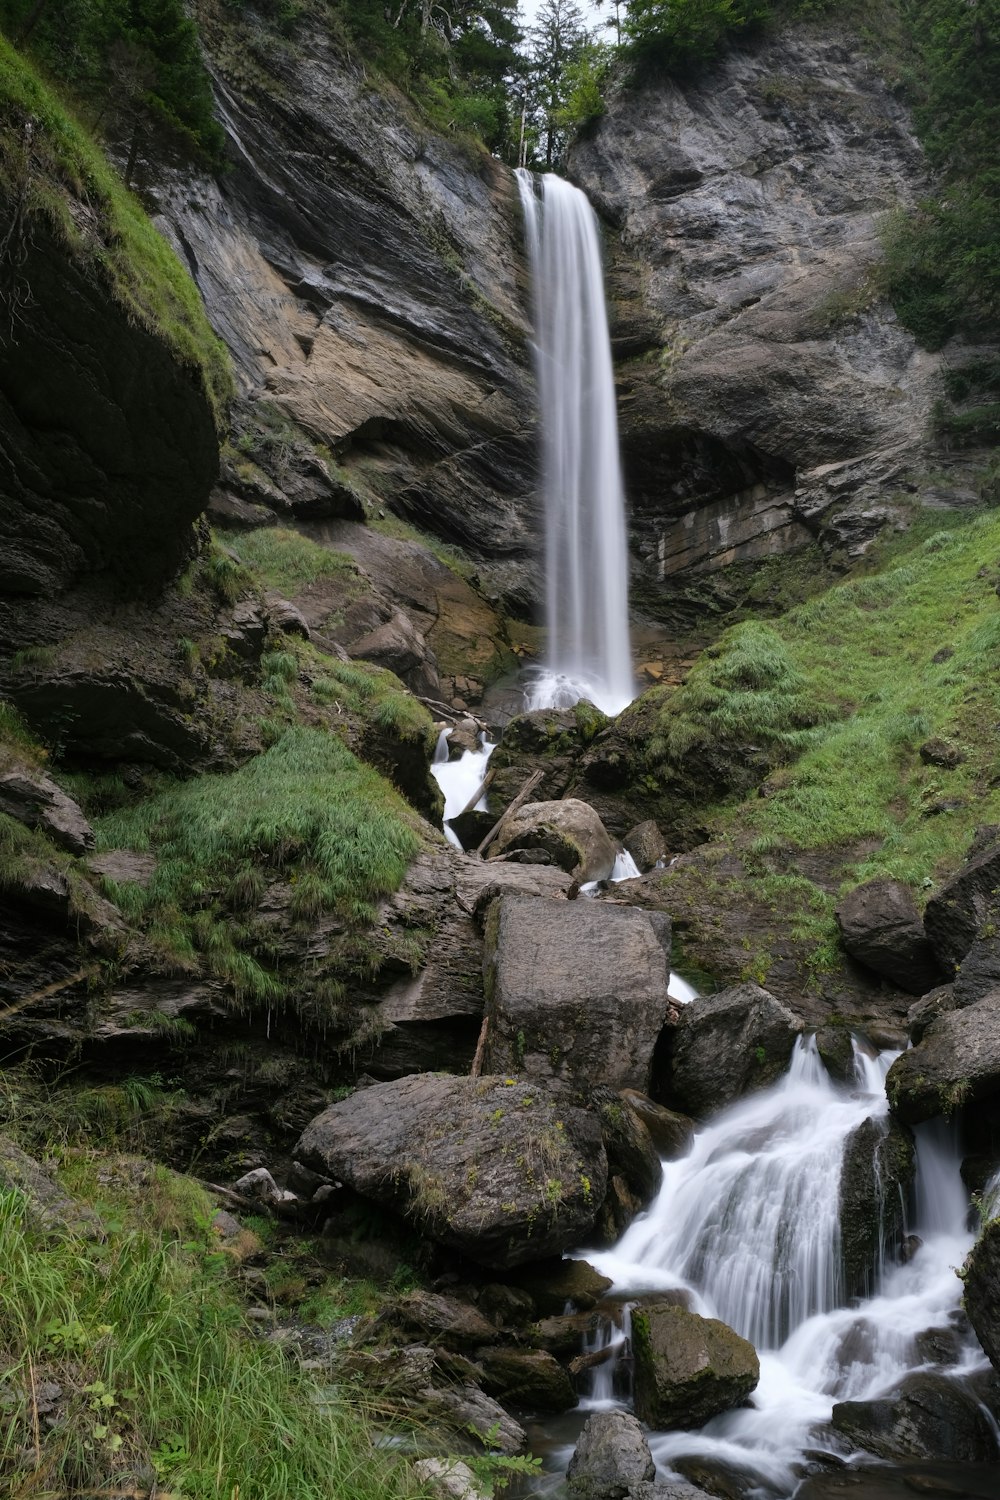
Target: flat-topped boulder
pixel 956 1062
pixel 500 1170
pixel 688 1369
pixel 727 1045
pixel 575 991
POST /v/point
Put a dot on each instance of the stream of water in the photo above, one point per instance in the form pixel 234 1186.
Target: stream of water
pixel 747 1225
pixel 586 558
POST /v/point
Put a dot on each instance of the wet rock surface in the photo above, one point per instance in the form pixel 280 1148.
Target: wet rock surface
pixel 688 1368
pixel 726 1045
pixel 981 1275
pixel 575 991
pixel 926 1416
pixel 877 1173
pixel 955 914
pixel 491 1167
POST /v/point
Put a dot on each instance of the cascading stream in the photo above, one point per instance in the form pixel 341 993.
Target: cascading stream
pixel 459 779
pixel 748 1225
pixel 586 558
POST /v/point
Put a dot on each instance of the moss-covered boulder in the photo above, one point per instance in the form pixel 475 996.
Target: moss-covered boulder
pixel 528 1378
pixel 957 1062
pixel 688 1368
pixel 981 1275
pixel 570 831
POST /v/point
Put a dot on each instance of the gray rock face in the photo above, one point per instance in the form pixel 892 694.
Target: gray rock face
pixel 688 1368
pixel 957 1062
pixel 612 1454
pixel 881 927
pixel 570 830
pixel 37 801
pixel 955 914
pixel 726 1045
pixel 575 991
pixel 646 844
pixel 875 1182
pixel 670 1132
pixel 528 1378
pixel 363 271
pixel 926 1416
pixel 747 197
pixel 982 1289
pixel 499 1170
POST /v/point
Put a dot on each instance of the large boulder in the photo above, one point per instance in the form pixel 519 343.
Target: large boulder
pixel 688 1368
pixel 979 971
pixel 611 1456
pixel 982 1289
pixel 634 1167
pixel 574 991
pixel 956 1062
pixel 671 1133
pixel 528 1378
pixel 726 1045
pixel 502 1171
pixel 956 913
pixel 875 1181
pixel 570 831
pixel 881 927
pixel 926 1416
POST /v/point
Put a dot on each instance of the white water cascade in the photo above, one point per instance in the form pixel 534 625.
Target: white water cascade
pixel 459 779
pixel 586 559
pixel 748 1226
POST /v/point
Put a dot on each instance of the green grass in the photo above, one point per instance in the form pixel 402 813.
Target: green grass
pixel 64 169
pixel 157 1370
pixel 288 561
pixel 305 811
pixel 372 693
pixel 860 661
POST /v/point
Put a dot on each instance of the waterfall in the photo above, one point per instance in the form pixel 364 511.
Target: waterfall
pixel 586 558
pixel 747 1225
pixel 460 779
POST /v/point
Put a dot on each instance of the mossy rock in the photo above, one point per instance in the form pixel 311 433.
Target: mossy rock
pixel 688 1369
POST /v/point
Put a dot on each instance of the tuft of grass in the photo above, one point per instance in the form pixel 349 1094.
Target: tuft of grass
pixel 288 561
pixel 305 811
pixel 374 695
pixel 56 175
pixel 156 1370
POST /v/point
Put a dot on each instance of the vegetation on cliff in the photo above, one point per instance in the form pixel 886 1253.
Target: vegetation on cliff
pixel 52 173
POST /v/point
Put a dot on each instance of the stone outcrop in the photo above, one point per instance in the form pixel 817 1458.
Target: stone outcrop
pixel 688 1368
pixel 926 1416
pixel 881 927
pixel 499 1170
pixel 956 913
pixel 669 1131
pixel 365 275
pixel 957 1062
pixel 37 801
pixel 981 1275
pixel 612 1455
pixel 876 1180
pixel 727 1045
pixel 570 831
pixel 576 991
pixel 751 336
pixel 530 1379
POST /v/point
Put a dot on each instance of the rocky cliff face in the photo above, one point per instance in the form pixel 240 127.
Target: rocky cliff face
pixel 367 276
pixel 769 398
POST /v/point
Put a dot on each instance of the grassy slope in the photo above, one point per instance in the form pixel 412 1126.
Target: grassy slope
pixel 63 178
pixel 144 1336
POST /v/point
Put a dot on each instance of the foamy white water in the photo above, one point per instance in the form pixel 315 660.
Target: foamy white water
pixel 586 557
pixel 748 1224
pixel 459 779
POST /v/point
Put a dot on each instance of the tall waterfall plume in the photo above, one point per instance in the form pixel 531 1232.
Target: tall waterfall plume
pixel 586 559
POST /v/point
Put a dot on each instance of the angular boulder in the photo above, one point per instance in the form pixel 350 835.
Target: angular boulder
pixel 926 1416
pixel 36 800
pixel 957 1062
pixel 876 1178
pixel 499 1170
pixel 570 831
pixel 688 1369
pixel 575 991
pixel 727 1045
pixel 528 1378
pixel 979 971
pixel 880 926
pixel 611 1456
pixel 955 914
pixel 981 1275
pixel 445 1320
pixel 670 1132
pixel 646 844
